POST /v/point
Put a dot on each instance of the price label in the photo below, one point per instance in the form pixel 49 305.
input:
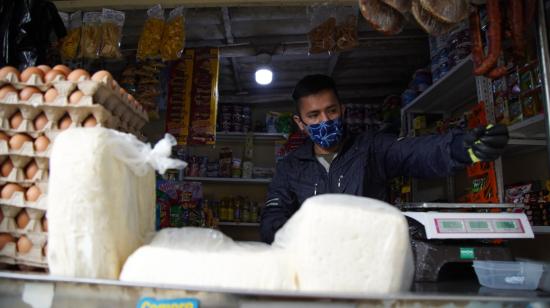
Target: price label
pixel 149 302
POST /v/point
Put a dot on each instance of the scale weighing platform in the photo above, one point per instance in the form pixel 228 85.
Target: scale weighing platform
pixel 444 233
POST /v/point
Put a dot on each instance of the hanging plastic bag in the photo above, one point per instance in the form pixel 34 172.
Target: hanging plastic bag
pixel 111 33
pixel 173 38
pixel 334 28
pixel 69 48
pixel 151 35
pixel 90 41
pixel 382 17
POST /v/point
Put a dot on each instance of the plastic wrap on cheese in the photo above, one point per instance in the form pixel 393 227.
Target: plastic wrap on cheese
pixel 334 243
pixel 101 200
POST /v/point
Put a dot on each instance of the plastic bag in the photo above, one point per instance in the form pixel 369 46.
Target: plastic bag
pixel 173 38
pixel 90 40
pixel 334 28
pixel 151 35
pixel 140 156
pixel 111 33
pixel 451 11
pixel 69 48
pixel 428 22
pixel 382 17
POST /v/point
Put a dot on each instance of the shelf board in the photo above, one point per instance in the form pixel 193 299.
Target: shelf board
pixel 455 89
pixel 234 136
pixel 530 128
pixel 541 229
pixel 226 180
pixel 238 224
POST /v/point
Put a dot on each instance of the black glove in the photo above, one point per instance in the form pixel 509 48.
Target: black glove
pixel 486 143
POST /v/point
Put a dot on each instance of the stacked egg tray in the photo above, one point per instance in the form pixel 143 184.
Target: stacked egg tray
pixel 33 112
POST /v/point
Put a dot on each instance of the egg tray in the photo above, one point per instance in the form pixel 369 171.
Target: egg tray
pixel 17 199
pixel 34 257
pixel 106 92
pixel 33 81
pixel 8 223
pixel 17 174
pixel 27 149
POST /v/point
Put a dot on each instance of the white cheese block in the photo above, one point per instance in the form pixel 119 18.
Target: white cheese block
pixel 334 243
pixel 99 210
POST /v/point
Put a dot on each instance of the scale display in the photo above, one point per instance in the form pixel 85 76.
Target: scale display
pixel 478 225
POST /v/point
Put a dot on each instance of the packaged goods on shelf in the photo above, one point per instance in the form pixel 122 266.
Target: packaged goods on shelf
pixel 179 204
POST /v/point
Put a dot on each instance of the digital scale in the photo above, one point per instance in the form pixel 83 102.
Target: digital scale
pixel 445 233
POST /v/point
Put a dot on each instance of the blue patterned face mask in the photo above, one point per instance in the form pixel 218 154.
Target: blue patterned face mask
pixel 327 133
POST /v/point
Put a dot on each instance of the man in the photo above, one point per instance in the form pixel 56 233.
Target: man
pixel 336 162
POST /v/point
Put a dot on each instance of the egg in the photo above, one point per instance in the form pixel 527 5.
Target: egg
pixel 27 92
pixel 75 97
pixel 45 224
pixel 17 141
pixel 15 120
pixel 90 122
pixel 6 70
pixel 44 68
pixel 78 74
pixel 40 121
pixel 5 238
pixel 65 69
pixel 41 144
pixel 5 90
pixel 6 168
pixel 50 95
pixel 28 72
pixel 30 170
pixel 53 74
pixel 33 193
pixel 4 137
pixel 65 122
pixel 24 245
pixel 9 189
pixel 22 219
pixel 114 84
pixel 102 75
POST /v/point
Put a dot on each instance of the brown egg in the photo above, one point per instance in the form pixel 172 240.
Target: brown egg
pixel 6 168
pixel 3 136
pixel 65 122
pixel 9 189
pixel 16 119
pixel 5 90
pixel 101 75
pixel 53 74
pixel 33 193
pixel 114 84
pixel 45 250
pixel 40 121
pixel 17 141
pixel 45 224
pixel 41 144
pixel 5 238
pixel 27 92
pixel 24 245
pixel 6 70
pixel 44 68
pixel 50 95
pixel 90 121
pixel 65 69
pixel 30 170
pixel 75 97
pixel 22 219
pixel 28 72
pixel 78 74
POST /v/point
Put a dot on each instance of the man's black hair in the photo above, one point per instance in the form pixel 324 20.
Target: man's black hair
pixel 312 84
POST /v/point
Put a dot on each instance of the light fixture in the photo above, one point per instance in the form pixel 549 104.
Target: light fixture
pixel 263 74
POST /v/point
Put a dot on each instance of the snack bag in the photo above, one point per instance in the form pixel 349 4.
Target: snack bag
pixel 151 35
pixel 69 48
pixel 90 40
pixel 111 33
pixel 173 38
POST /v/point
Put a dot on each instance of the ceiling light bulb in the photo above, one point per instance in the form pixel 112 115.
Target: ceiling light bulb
pixel 264 76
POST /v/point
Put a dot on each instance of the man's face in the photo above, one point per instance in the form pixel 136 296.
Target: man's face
pixel 319 107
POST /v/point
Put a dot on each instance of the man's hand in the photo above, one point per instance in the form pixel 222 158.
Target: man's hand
pixel 486 143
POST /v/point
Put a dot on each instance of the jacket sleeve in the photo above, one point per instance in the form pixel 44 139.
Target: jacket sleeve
pixel 281 203
pixel 422 157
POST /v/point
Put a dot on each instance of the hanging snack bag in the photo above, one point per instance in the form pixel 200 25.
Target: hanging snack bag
pixel 111 33
pixel 90 40
pixel 151 35
pixel 69 48
pixel 173 38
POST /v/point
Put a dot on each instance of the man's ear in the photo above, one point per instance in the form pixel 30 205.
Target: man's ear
pixel 299 122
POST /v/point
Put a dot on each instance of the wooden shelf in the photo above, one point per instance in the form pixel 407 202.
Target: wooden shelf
pixel 227 180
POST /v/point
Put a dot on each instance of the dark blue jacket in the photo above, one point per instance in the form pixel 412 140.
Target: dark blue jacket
pixel 363 167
